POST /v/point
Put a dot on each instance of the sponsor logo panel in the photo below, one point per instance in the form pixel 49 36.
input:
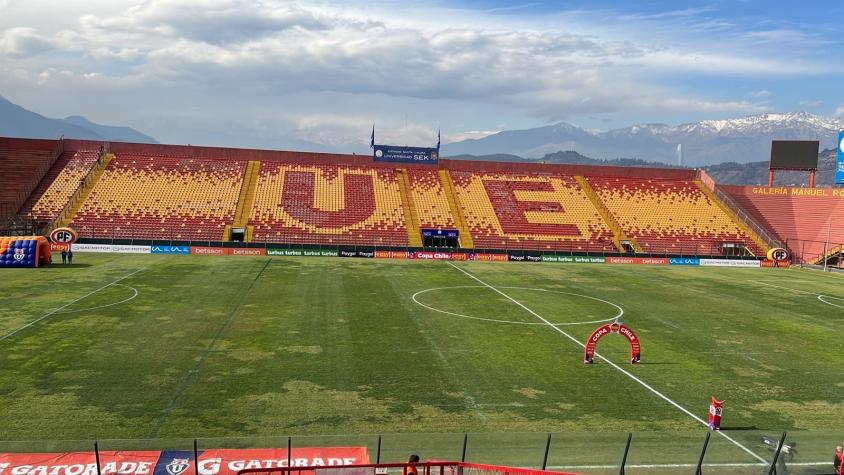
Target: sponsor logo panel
pixel 491 257
pixel 363 254
pixel 574 259
pixel 391 254
pixel 207 251
pixel 651 261
pixel 729 263
pixel 439 256
pixel 113 248
pixel 210 462
pixel 170 249
pixel 524 257
pixel 246 251
pixel 776 263
pixel 684 261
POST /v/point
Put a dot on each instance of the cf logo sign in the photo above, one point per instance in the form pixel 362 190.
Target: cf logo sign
pixel 63 236
pixel 778 254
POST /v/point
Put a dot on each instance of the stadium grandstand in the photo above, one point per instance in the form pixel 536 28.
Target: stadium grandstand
pixel 119 191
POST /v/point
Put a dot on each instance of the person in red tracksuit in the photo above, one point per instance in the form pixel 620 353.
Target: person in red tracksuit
pixel 411 468
pixel 839 460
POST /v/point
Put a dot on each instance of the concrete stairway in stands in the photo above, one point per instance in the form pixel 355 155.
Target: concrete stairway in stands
pixel 755 237
pixel 466 240
pixel 609 219
pixel 245 201
pixel 72 207
pixel 411 217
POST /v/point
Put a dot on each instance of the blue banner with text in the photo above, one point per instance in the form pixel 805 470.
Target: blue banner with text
pixel 393 153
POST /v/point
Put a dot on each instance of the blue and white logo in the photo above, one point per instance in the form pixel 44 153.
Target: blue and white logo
pixel 839 169
pixel 684 261
pixel 170 250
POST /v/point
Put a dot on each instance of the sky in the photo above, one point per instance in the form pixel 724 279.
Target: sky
pixel 317 75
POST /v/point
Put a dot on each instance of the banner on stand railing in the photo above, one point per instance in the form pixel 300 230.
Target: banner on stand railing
pixel 177 462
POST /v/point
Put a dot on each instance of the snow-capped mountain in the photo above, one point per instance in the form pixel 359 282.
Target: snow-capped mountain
pixel 708 142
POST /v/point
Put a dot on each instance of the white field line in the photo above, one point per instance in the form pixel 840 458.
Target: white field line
pixel 685 465
pixel 134 294
pixel 819 296
pixel 781 287
pixel 617 367
pixel 415 299
pixel 56 310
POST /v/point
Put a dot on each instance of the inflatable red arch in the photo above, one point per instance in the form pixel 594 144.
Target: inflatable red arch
pixel 614 327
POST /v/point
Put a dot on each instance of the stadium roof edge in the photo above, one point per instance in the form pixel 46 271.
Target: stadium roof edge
pixel 229 153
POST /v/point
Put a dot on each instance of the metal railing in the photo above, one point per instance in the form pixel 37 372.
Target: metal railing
pixel 734 452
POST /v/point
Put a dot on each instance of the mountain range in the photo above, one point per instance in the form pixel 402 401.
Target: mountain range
pixel 728 173
pixel 15 121
pixel 708 142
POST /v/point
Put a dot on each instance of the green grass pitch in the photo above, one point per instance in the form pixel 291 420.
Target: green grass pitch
pixel 195 346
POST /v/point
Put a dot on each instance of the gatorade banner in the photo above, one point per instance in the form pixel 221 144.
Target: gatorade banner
pixel 177 462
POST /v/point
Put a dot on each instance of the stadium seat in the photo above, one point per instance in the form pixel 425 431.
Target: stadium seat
pixel 669 215
pixel 20 170
pixel 328 204
pixel 801 220
pixel 427 192
pixel 162 197
pixel 530 211
pixel 57 187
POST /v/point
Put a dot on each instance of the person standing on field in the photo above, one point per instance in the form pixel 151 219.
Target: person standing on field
pixel 70 256
pixel 64 256
pixel 838 461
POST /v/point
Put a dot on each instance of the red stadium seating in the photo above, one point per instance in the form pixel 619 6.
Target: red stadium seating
pixel 194 193
pixel 530 211
pixel 162 197
pixel 22 165
pixel 669 215
pixel 800 217
pixel 58 185
pixel 330 204
pixel 427 192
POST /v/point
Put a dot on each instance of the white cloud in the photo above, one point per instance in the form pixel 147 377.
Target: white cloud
pixel 21 41
pixel 839 111
pixel 359 63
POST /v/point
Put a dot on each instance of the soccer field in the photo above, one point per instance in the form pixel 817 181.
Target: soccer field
pixel 139 347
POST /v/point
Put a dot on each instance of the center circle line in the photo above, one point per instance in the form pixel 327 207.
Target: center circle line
pixel 613 318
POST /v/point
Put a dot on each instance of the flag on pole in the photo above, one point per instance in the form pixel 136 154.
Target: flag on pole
pixel 372 137
pixel 438 140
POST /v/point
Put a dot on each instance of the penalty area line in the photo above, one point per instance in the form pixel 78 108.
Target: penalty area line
pixel 617 367
pixel 56 310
